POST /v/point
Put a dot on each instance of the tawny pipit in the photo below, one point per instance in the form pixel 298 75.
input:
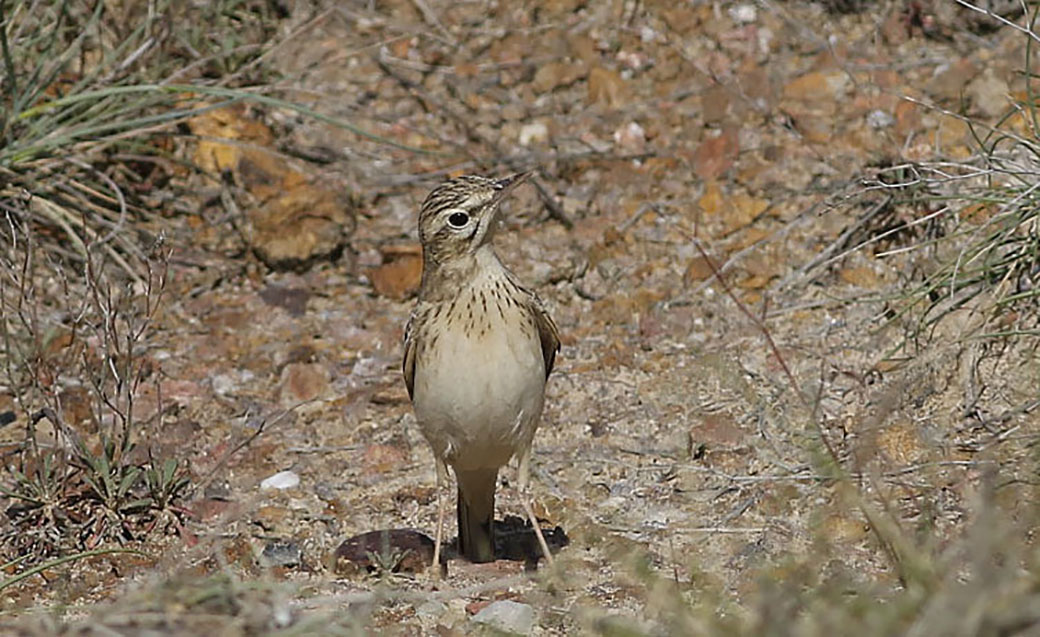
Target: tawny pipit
pixel 478 351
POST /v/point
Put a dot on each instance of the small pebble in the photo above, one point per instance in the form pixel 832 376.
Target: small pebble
pixel 281 480
pixel 535 132
pixel 280 553
pixel 743 13
pixel 878 118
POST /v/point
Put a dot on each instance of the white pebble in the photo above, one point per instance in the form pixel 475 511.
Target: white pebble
pixel 878 118
pixel 281 480
pixel 743 13
pixel 533 132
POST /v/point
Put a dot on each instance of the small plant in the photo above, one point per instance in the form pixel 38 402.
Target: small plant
pixel 166 482
pixel 388 559
pixel 44 502
pixel 76 489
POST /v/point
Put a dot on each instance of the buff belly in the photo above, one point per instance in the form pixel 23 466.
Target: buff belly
pixel 480 389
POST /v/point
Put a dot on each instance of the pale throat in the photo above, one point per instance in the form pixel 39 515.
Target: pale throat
pixel 446 280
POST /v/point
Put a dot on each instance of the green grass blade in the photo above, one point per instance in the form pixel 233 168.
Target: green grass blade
pixel 59 561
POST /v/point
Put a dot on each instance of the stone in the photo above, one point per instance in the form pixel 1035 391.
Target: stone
pixel 507 616
pixel 400 274
pixel 385 550
pixel 289 222
pixel 281 553
pixel 607 87
pixel 301 382
pixel 818 87
pixel 631 138
pixel 555 75
pixel 878 118
pixel 431 610
pixel 989 94
pixel 535 132
pixel 281 480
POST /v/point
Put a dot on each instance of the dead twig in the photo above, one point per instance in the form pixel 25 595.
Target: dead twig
pixel 555 210
pixel 824 256
pixel 203 482
pixel 430 17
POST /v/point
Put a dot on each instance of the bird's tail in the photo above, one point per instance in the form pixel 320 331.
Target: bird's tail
pixel 477 513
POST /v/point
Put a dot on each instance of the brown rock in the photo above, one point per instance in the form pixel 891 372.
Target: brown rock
pixel 717 430
pixel 818 87
pixel 953 135
pixel 384 458
pixel 734 213
pixel 561 7
pixel 630 138
pixel 949 83
pixel 298 224
pixel 861 276
pixel 512 49
pixel 389 550
pixel 231 123
pixel 606 87
pixel 711 201
pixel 302 382
pixel 715 104
pixel 583 47
pixel 698 270
pixel 401 272
pixel 908 117
pixel 292 300
pixel 291 222
pixel 556 74
pixel 716 155
pixel 758 86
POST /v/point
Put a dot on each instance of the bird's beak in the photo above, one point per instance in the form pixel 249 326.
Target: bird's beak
pixel 507 184
pixel 504 186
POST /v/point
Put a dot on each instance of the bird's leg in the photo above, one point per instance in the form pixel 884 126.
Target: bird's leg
pixel 442 479
pixel 523 473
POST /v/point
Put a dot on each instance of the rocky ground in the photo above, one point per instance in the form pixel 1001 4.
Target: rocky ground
pixel 732 205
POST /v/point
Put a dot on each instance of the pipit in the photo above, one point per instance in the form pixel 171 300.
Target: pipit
pixel 479 348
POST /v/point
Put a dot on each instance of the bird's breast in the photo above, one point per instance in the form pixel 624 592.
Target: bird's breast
pixel 480 377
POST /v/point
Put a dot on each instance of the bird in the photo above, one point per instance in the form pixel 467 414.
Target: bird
pixel 478 350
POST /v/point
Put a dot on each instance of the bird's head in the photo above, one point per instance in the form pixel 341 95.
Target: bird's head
pixel 458 216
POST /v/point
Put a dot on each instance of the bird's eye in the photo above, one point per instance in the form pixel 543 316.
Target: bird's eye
pixel 458 219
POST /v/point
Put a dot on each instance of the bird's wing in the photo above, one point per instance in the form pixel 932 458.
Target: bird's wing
pixel 547 334
pixel 410 346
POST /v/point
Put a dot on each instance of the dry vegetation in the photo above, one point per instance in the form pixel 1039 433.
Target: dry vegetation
pixel 792 249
